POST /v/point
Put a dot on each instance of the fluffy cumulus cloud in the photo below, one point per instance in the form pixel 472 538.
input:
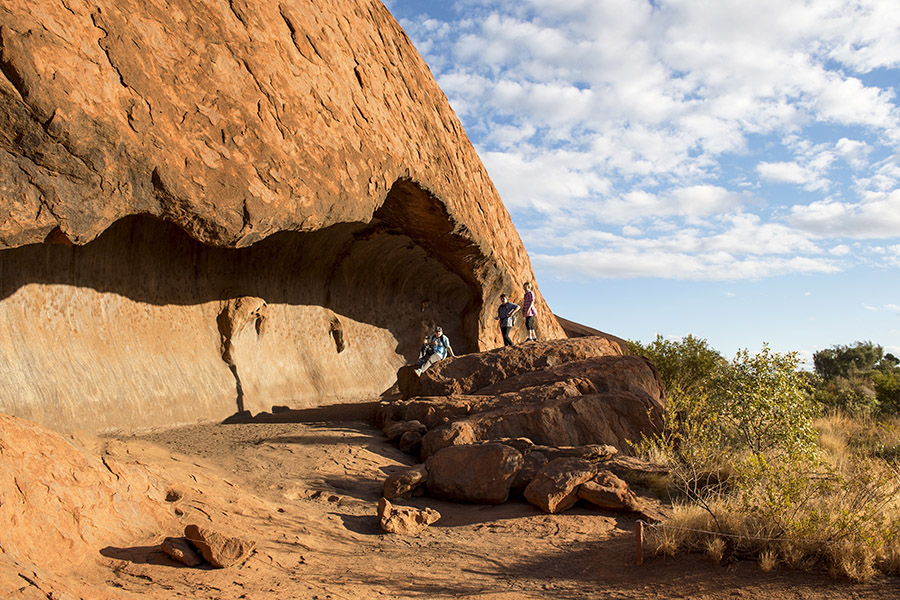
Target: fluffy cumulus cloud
pixel 674 138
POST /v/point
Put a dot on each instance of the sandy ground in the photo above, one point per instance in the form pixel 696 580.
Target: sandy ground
pixel 305 487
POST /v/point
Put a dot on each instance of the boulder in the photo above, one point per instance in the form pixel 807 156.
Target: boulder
pixel 151 227
pixel 480 473
pixel 179 549
pixel 531 463
pixel 609 492
pixel 555 486
pixel 411 443
pixel 613 418
pixel 218 549
pixel 405 520
pixel 460 433
pixel 396 430
pixel 404 483
pixel 473 372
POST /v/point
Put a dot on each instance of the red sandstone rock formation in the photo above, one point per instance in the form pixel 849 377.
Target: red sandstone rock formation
pixel 570 392
pixel 207 207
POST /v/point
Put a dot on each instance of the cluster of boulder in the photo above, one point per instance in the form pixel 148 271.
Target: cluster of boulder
pixel 550 421
pixel 202 543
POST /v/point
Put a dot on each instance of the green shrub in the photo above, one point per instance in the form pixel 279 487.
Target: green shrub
pixel 853 395
pixel 687 364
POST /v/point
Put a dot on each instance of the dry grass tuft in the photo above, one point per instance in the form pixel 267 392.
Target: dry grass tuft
pixel 768 560
pixel 715 549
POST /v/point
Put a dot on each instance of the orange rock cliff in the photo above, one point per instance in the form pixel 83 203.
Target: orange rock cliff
pixel 208 206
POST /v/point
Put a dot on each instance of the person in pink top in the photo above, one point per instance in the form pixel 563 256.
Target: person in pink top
pixel 530 311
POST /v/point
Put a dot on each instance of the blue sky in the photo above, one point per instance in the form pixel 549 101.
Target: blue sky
pixel 723 168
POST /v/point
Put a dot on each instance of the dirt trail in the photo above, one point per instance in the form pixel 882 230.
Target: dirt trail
pixel 305 485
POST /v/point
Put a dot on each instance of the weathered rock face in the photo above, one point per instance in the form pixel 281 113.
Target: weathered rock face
pixel 208 207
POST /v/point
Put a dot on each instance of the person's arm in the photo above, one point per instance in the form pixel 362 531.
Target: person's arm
pixel 449 347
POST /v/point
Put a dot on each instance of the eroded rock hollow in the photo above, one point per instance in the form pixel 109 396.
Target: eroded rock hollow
pixel 208 207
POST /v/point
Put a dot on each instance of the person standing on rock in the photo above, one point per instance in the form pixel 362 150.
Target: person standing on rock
pixel 436 347
pixel 529 309
pixel 506 315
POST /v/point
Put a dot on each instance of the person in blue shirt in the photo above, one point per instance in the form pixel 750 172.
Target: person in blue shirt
pixel 436 347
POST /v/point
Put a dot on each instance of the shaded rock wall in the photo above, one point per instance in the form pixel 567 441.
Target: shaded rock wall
pixel 207 207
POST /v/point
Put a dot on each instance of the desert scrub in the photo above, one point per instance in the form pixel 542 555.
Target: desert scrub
pixel 849 524
pixel 758 475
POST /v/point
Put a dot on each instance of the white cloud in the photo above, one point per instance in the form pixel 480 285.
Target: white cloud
pixel 623 131
pixel 548 183
pixel 877 216
pixel 747 234
pixel 633 262
pixel 783 172
pixel 854 152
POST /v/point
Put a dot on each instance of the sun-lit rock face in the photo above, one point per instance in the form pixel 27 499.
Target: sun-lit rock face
pixel 213 206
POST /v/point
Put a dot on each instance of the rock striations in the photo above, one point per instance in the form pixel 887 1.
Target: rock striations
pixel 217 206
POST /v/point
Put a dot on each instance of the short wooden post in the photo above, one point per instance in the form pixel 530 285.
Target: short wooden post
pixel 639 543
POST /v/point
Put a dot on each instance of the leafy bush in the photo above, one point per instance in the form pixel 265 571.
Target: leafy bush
pixel 688 364
pixel 853 395
pixel 887 389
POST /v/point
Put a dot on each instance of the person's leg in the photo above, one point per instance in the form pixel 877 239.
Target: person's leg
pixel 505 332
pixel 429 360
pixel 529 323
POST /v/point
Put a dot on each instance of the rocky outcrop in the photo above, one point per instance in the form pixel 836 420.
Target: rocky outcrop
pixel 546 420
pixel 573 392
pixel 552 479
pixel 475 372
pixel 480 473
pixel 555 486
pixel 207 207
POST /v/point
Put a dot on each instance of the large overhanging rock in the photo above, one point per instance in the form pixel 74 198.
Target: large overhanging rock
pixel 208 207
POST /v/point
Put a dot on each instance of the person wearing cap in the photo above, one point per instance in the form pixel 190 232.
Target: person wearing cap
pixel 436 347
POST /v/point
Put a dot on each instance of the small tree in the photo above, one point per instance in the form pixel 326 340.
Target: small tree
pixel 688 364
pixel 844 361
pixel 764 403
